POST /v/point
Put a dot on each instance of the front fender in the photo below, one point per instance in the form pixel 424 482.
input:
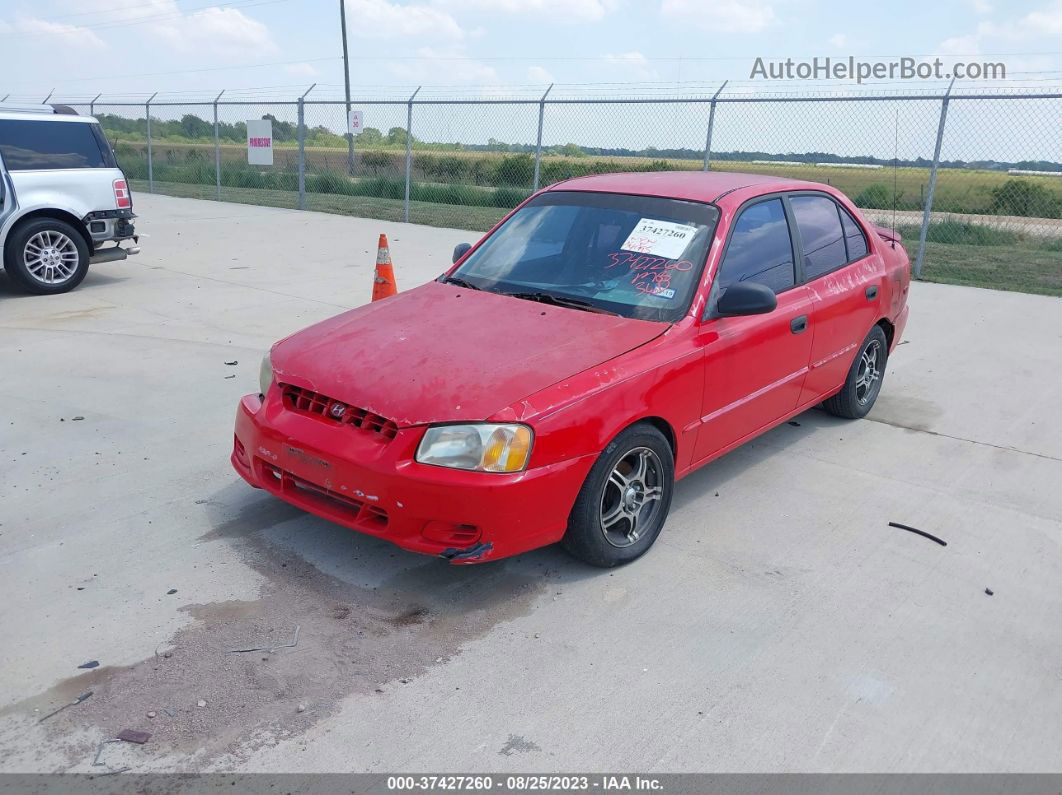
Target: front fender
pixel 580 415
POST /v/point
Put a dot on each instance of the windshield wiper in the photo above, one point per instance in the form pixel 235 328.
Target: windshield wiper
pixel 571 303
pixel 461 282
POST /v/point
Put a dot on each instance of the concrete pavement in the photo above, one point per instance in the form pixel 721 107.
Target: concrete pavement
pixel 779 624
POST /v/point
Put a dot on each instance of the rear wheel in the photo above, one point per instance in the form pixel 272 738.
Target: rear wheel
pixel 625 500
pixel 46 256
pixel 863 384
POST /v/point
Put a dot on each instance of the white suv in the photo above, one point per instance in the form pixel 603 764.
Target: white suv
pixel 62 198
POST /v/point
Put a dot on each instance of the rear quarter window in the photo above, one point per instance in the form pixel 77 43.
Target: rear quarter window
pixel 34 145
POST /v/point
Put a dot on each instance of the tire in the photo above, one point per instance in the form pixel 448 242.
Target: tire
pixel 615 485
pixel 856 398
pixel 62 256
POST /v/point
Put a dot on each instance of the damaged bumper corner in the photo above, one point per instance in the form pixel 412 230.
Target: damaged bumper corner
pixel 471 554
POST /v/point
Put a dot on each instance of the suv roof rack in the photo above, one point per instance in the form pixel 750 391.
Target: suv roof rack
pixel 50 110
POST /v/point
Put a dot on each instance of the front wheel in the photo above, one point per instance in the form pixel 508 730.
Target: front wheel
pixel 46 256
pixel 863 384
pixel 625 500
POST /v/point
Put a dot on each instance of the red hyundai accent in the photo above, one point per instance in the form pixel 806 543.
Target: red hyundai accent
pixel 610 336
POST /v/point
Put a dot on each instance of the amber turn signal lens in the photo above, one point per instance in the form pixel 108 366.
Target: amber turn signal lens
pixel 507 449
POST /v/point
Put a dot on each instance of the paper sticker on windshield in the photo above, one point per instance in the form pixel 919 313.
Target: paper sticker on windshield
pixel 660 238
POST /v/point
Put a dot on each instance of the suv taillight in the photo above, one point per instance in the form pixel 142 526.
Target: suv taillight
pixel 122 198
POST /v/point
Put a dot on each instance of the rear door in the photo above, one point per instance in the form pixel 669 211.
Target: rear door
pixel 845 279
pixel 755 365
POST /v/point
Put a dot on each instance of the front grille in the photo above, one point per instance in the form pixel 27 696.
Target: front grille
pixel 306 401
pixel 340 507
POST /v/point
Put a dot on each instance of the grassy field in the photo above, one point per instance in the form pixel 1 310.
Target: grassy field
pixel 958 190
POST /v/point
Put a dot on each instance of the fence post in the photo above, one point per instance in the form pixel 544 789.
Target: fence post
pixel 151 171
pixel 932 183
pixel 538 145
pixel 92 105
pixel 302 148
pixel 409 153
pixel 217 150
pixel 711 126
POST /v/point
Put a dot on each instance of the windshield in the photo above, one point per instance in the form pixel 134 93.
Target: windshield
pixel 635 256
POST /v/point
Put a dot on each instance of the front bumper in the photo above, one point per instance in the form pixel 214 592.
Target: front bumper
pixel 365 482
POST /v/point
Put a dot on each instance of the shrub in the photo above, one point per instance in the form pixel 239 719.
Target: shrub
pixel 377 160
pixel 875 196
pixel 514 170
pixel 1024 197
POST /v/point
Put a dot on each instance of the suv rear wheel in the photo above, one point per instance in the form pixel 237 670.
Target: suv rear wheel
pixel 46 256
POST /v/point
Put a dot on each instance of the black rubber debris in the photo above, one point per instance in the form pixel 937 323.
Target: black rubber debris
pixel 233 363
pixel 794 423
pixel 90 664
pixel 918 532
pixel 171 592
pixel 133 736
pixel 990 592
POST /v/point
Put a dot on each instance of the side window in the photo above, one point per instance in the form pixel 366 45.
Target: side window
pixel 760 249
pixel 35 145
pixel 854 240
pixel 820 233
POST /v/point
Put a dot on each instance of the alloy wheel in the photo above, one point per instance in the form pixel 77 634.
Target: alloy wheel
pixel 51 257
pixel 632 497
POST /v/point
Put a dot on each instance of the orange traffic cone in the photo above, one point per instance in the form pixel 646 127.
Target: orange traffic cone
pixel 383 282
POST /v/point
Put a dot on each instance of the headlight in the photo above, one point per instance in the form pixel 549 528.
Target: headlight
pixel 482 447
pixel 265 375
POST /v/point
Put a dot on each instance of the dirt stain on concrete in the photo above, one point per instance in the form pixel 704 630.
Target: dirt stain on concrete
pixel 201 700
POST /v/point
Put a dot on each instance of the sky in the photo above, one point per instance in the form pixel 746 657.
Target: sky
pixel 267 48
pixel 275 49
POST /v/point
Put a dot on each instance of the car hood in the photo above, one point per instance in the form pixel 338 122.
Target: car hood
pixel 440 353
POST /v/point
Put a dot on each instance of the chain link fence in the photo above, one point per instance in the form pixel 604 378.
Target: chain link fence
pixel 972 180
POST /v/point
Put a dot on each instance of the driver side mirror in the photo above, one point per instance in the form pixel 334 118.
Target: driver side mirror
pixel 746 298
pixel 460 250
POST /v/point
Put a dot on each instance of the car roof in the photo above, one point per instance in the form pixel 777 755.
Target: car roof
pixel 10 110
pixel 702 186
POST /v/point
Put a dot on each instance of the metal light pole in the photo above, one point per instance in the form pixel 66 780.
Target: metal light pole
pixel 346 84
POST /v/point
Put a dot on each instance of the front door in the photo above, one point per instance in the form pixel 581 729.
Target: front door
pixel 754 365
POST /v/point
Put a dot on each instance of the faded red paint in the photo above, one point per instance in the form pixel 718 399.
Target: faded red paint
pixel 440 353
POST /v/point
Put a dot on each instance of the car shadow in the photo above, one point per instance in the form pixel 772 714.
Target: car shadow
pixel 93 279
pixel 271 530
pixel 712 477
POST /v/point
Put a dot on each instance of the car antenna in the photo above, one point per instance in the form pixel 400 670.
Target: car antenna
pixel 895 171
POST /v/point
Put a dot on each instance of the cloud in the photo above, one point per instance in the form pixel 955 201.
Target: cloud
pixel 981 6
pixel 450 62
pixel 379 19
pixel 54 32
pixel 634 64
pixel 536 74
pixel 839 40
pixel 553 10
pixel 218 30
pixel 726 16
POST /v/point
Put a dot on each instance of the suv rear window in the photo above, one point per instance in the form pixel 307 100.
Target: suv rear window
pixel 35 145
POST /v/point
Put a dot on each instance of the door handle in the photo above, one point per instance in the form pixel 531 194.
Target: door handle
pixel 798 324
pixel 872 292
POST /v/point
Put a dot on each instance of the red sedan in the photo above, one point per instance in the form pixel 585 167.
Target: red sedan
pixel 610 336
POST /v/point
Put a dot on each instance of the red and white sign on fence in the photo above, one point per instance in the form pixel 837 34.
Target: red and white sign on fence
pixel 260 142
